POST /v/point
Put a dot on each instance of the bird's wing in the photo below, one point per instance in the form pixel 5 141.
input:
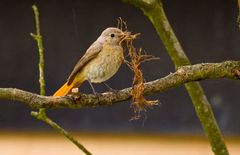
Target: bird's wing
pixel 91 53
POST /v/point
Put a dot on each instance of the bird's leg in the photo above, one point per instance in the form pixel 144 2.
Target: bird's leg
pixel 110 89
pixel 94 92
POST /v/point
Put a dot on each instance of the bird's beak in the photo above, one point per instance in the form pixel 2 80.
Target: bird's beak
pixel 127 36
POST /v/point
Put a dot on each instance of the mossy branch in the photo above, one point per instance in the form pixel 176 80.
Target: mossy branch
pixel 38 38
pixel 185 74
pixel 153 9
pixel 41 114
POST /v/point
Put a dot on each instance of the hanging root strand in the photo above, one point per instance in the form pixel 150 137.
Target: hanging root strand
pixel 139 102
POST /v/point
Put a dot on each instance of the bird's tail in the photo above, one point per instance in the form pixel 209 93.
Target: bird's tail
pixel 64 90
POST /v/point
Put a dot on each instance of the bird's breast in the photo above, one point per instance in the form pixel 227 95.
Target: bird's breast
pixel 106 64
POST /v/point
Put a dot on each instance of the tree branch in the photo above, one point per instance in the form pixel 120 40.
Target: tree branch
pixel 185 74
pixel 38 38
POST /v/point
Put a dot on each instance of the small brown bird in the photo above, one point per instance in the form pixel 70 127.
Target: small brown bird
pixel 100 62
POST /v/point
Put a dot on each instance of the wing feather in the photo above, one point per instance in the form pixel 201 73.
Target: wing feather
pixel 91 53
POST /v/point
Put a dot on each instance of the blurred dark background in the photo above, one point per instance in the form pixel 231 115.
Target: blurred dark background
pixel 206 29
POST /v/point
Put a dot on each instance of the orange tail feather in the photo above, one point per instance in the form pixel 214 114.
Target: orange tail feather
pixel 64 90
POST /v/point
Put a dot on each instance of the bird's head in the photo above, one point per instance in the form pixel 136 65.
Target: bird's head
pixel 114 36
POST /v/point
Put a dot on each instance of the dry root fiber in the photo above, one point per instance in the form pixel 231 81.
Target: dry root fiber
pixel 139 102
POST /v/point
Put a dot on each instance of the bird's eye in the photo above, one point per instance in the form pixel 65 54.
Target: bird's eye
pixel 112 35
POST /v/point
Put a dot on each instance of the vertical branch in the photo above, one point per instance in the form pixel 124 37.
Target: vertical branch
pixel 41 115
pixel 153 9
pixel 38 39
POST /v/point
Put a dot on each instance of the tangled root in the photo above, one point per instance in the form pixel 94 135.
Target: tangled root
pixel 139 102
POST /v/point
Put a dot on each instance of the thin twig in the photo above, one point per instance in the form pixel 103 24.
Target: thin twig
pixel 38 39
pixel 41 115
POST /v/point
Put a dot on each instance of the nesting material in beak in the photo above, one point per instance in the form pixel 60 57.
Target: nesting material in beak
pixel 127 36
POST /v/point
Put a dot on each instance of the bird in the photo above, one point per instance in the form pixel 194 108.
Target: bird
pixel 100 61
